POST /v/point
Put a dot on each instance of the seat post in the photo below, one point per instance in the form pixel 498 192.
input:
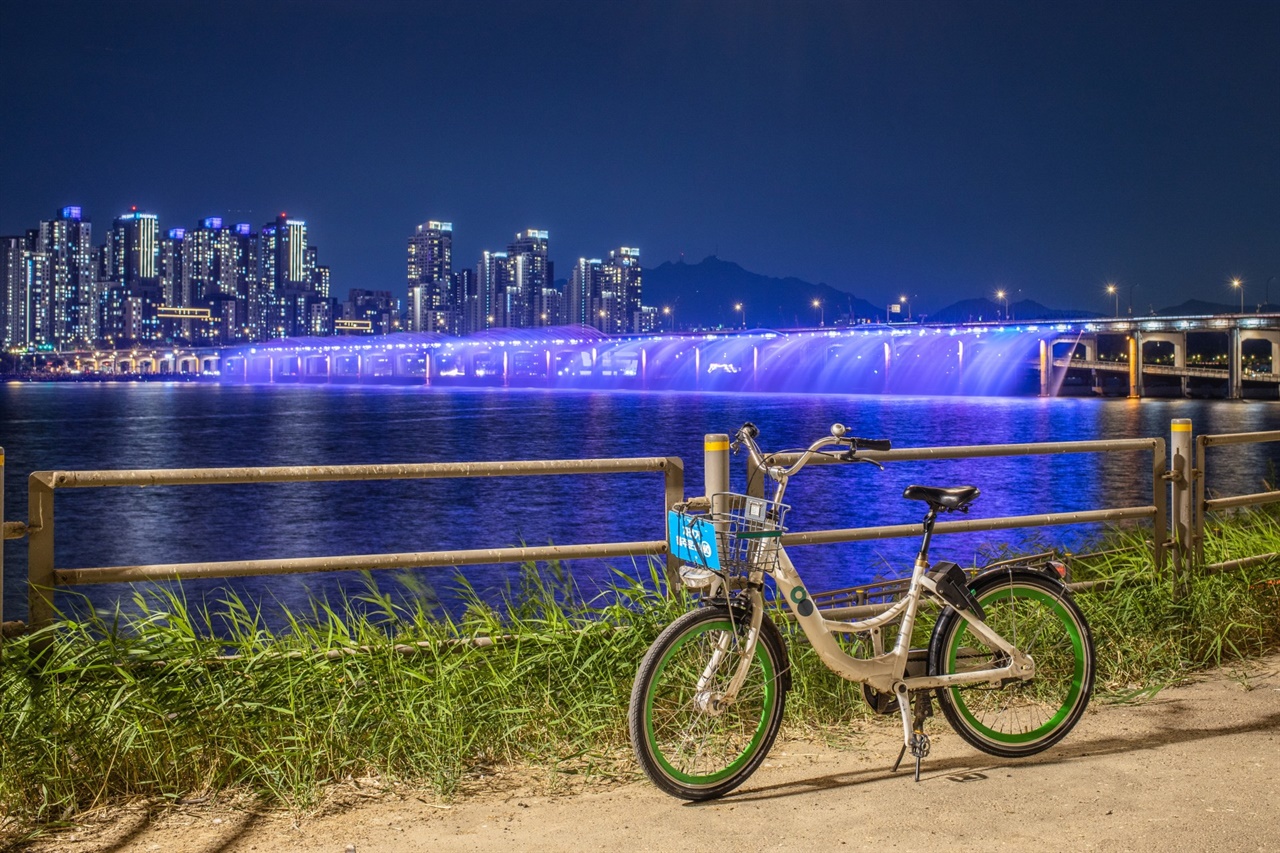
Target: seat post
pixel 929 519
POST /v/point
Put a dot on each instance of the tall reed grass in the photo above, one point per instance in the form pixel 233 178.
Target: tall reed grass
pixel 149 705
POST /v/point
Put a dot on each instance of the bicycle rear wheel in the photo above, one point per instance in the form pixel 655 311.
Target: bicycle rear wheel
pixel 1020 718
pixel 688 745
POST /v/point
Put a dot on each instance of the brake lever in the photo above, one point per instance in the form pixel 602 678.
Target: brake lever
pixel 850 455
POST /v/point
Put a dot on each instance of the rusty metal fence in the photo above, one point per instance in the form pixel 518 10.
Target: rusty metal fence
pixel 1176 512
pixel 44 578
pixel 1205 505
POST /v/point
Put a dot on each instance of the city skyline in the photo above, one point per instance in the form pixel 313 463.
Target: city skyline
pixel 222 283
pixel 924 148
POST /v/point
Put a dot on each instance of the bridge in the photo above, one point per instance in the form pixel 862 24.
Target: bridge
pixel 1239 355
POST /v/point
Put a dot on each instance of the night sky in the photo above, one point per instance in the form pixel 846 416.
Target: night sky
pixel 942 150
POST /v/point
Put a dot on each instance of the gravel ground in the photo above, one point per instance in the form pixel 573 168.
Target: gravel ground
pixel 1197 768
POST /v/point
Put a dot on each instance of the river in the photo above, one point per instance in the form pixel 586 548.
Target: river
pixel 73 426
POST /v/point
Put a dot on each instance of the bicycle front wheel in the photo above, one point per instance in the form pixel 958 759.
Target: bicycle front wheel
pixel 1038 617
pixel 689 742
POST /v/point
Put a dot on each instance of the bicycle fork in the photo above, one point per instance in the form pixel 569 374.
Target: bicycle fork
pixel 707 700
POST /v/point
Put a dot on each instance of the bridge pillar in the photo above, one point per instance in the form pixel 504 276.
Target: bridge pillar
pixel 888 357
pixel 1180 359
pixel 1235 366
pixel 1135 365
pixel 1046 365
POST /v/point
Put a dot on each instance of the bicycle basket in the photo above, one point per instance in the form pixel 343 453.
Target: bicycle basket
pixel 739 535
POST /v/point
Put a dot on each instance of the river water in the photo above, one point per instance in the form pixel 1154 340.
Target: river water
pixel 70 426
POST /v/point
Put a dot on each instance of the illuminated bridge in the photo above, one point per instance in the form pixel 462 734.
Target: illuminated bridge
pixel 1229 355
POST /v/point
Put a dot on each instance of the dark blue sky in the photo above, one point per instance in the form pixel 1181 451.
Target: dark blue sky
pixel 938 149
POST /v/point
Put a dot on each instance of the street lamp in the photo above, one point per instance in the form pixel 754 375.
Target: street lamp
pixel 822 312
pixel 907 302
pixel 1115 291
pixel 737 306
pixel 1003 297
pixel 671 323
pixel 1239 285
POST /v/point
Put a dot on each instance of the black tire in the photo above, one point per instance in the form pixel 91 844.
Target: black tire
pixel 685 748
pixel 1037 615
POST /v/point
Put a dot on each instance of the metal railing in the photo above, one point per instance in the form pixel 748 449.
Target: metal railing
pixel 1177 524
pixel 1204 505
pixel 1157 511
pixel 44 578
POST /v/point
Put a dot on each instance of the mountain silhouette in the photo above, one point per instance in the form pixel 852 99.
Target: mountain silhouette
pixel 703 295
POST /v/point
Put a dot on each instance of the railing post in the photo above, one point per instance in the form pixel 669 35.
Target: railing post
pixel 715 464
pixel 673 487
pixel 1197 514
pixel 1160 500
pixel 1181 470
pixel 39 552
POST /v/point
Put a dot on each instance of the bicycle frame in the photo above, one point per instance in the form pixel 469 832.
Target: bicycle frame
pixel 883 671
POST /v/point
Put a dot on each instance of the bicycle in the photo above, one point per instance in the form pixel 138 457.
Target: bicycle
pixel 1010 659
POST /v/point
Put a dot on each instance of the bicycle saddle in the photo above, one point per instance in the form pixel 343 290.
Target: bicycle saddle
pixel 956 498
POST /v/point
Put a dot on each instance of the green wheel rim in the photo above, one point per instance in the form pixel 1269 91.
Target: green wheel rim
pixel 753 744
pixel 1078 674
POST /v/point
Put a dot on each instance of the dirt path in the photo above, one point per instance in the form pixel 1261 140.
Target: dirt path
pixel 1196 768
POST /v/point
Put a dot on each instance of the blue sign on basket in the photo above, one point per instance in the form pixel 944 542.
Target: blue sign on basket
pixel 692 539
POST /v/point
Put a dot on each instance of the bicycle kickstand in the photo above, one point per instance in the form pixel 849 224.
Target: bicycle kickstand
pixel 913 735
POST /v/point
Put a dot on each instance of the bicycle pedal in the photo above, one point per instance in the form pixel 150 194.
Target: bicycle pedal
pixel 919 749
pixel 920 744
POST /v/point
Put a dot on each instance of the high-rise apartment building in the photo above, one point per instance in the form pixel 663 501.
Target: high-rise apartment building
pixel 430 273
pixel 15 302
pixel 530 271
pixel 493 277
pixel 250 296
pixel 583 293
pixel 288 274
pixel 67 248
pixel 465 296
pixel 620 298
pixel 173 282
pixel 132 297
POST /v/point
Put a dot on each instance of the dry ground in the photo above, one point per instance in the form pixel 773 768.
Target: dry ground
pixel 1195 768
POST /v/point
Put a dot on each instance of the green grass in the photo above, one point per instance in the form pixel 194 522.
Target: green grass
pixel 148 706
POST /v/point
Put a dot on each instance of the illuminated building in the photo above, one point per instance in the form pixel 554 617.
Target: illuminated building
pixel 170 268
pixel 465 296
pixel 71 313
pixel 133 293
pixel 493 274
pixel 16 268
pixel 620 292
pixel 430 274
pixel 584 291
pixel 250 293
pixel 377 308
pixel 530 271
pixel 293 306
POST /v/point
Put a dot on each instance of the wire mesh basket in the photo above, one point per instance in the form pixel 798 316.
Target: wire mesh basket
pixel 739 535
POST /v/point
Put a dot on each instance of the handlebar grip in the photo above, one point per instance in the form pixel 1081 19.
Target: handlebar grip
pixel 749 430
pixel 871 444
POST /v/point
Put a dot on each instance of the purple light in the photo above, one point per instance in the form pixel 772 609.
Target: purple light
pixel 244 228
pixel 177 233
pixel 72 212
pixel 213 222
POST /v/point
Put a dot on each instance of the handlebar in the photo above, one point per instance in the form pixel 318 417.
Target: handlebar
pixel 747 434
